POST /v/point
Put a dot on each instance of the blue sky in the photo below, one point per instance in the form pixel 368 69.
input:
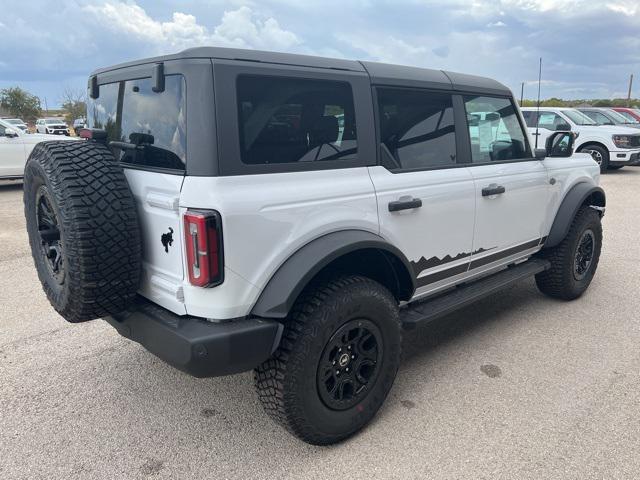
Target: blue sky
pixel 589 47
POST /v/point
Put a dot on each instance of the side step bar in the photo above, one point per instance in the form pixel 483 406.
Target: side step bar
pixel 432 309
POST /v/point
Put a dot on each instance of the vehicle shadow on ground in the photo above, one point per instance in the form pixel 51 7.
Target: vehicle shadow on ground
pixel 10 185
pixel 230 404
pixel 624 171
pixel 495 308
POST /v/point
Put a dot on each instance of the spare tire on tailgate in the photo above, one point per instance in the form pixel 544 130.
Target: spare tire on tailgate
pixel 83 228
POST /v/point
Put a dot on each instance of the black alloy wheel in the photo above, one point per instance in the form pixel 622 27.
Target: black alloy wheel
pixel 349 364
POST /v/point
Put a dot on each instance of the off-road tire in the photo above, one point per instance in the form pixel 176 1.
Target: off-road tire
pixel 603 152
pixel 99 234
pixel 559 281
pixel 287 383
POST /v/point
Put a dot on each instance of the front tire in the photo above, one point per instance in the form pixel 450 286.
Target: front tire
pixel 575 260
pixel 336 362
pixel 599 154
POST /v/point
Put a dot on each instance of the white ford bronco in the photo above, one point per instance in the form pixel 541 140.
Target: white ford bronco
pixel 235 210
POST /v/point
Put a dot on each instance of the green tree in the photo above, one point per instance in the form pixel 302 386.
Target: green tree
pixel 20 103
pixel 74 104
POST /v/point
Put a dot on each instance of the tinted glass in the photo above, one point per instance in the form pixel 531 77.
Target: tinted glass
pixel 495 131
pixel 629 118
pixel 530 118
pixel 598 117
pixel 284 120
pixel 132 113
pixel 417 128
pixel 578 118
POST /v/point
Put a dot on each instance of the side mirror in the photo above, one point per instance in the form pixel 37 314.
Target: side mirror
pixel 563 127
pixel 560 144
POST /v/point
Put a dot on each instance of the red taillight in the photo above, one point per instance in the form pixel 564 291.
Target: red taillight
pixel 203 241
pixel 94 134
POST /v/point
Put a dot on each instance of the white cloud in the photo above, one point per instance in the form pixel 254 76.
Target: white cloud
pixel 387 48
pixel 238 28
pixel 628 8
pixel 496 24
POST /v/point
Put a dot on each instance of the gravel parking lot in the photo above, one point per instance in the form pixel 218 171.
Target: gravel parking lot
pixel 517 386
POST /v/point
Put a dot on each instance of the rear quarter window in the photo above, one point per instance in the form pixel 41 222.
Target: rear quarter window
pixel 148 128
pixel 284 120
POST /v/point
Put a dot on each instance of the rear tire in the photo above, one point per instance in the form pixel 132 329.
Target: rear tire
pixel 336 362
pixel 615 167
pixel 575 260
pixel 83 229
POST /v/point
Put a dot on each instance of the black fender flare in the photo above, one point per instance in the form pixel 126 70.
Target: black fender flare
pixel 286 284
pixel 570 205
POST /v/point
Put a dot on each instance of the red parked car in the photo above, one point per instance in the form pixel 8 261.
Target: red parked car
pixel 633 114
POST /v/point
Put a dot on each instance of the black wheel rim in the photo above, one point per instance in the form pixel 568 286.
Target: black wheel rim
pixel 584 254
pixel 350 364
pixel 49 234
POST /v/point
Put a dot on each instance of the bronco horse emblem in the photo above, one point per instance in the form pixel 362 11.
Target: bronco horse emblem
pixel 167 239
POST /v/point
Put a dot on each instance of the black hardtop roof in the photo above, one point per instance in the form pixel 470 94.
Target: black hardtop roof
pixel 380 73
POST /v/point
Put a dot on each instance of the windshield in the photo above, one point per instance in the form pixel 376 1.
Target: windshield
pixel 617 117
pixel 14 121
pixel 578 118
pixel 630 118
pixel 50 121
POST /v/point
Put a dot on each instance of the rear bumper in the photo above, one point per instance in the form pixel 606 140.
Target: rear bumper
pixel 621 158
pixel 196 346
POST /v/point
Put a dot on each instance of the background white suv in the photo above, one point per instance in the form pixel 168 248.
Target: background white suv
pixel 612 146
pixel 15 148
pixel 53 126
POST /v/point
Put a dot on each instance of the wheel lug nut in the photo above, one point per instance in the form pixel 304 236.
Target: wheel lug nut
pixel 349 347
pixel 347 369
pixel 353 356
pixel 337 372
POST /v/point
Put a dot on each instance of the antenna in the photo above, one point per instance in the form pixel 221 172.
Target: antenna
pixel 538 104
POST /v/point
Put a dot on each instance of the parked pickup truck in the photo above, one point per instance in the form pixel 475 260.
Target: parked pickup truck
pixel 236 210
pixel 611 146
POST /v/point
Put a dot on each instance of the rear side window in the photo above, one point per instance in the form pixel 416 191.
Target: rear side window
pixel 417 129
pixel 283 120
pixel 150 126
pixel 495 131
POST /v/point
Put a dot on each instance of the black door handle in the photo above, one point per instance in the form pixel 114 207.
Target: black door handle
pixel 405 204
pixel 493 189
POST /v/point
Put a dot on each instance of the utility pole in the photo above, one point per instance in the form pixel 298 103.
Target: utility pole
pixel 45 106
pixel 629 94
pixel 521 93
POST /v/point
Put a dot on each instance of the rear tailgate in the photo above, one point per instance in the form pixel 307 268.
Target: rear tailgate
pixel 157 197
